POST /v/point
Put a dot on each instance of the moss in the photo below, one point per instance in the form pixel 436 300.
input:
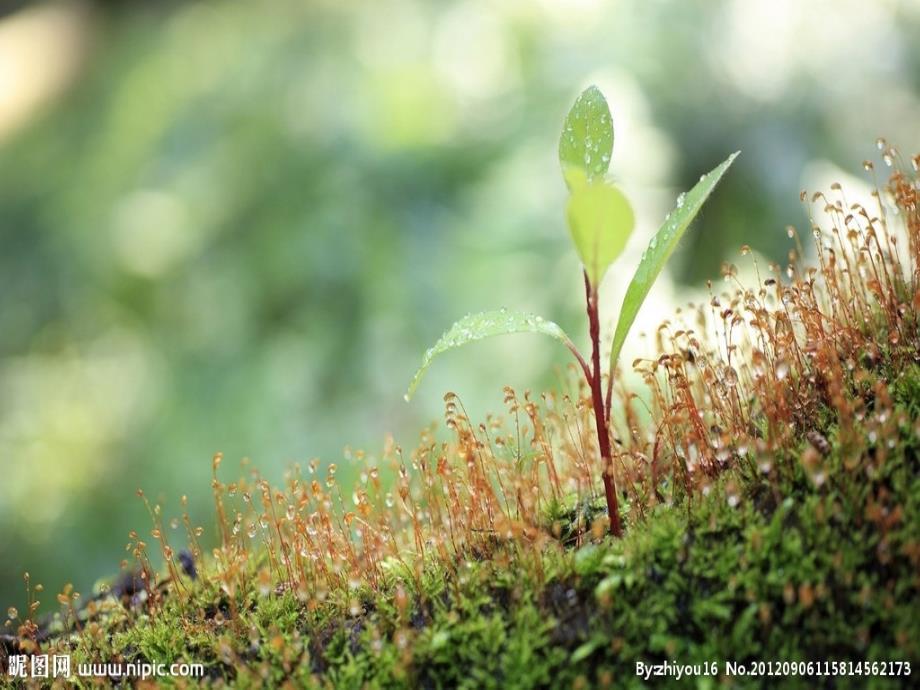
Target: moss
pixel 813 578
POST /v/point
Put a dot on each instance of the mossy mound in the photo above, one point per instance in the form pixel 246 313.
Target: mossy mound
pixel 817 571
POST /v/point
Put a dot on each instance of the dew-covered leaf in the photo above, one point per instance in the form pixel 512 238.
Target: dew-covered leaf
pixel 483 325
pixel 600 221
pixel 587 136
pixel 659 250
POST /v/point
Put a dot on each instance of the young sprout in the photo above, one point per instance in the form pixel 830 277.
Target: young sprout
pixel 600 221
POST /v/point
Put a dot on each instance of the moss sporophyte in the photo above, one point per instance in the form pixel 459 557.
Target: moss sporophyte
pixel 600 221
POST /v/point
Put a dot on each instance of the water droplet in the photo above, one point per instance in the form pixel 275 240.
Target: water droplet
pixel 731 376
pixel 782 369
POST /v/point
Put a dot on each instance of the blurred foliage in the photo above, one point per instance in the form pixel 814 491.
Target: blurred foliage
pixel 240 226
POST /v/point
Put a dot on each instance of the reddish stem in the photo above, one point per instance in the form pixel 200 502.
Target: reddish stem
pixel 581 360
pixel 600 418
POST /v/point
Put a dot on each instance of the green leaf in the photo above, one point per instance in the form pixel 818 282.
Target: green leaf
pixel 587 136
pixel 600 221
pixel 659 249
pixel 586 649
pixel 484 325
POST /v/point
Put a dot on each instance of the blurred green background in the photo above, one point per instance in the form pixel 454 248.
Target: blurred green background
pixel 236 226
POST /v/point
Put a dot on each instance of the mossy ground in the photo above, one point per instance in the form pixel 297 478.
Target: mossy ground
pixel 744 573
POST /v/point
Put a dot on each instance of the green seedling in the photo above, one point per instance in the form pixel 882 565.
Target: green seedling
pixel 600 221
